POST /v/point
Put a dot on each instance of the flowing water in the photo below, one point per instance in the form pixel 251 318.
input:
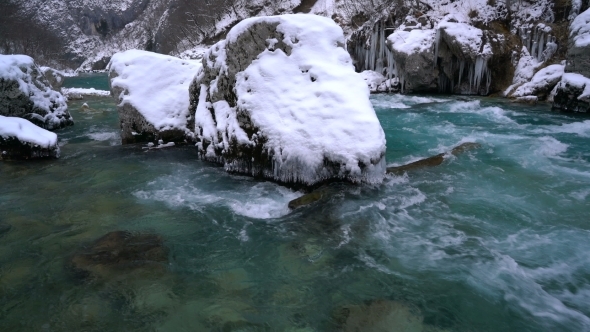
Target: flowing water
pixel 495 239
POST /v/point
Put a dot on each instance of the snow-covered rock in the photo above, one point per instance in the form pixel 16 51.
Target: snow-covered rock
pixel 573 93
pixel 279 99
pixel 53 76
pixel 378 83
pixel 20 139
pixel 152 91
pixel 578 55
pixel 26 93
pixel 541 84
pixel 413 54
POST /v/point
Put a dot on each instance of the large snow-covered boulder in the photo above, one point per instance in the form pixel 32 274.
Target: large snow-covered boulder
pixel 578 53
pixel 412 51
pixel 20 139
pixel 152 91
pixel 279 99
pixel 26 93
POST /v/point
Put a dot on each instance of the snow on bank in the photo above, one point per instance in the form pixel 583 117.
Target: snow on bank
pixel 309 110
pixel 49 106
pixel 544 80
pixel 77 93
pixel 155 85
pixel 26 132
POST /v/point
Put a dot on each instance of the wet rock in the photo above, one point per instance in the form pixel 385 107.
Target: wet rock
pixel 26 93
pixel 431 161
pixel 119 252
pixel 309 198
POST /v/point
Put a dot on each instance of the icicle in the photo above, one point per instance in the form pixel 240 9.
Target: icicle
pixel 436 45
pixel 541 45
pixel 534 52
pixel 529 40
pixel 461 69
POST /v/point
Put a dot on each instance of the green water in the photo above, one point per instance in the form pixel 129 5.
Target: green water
pixel 496 239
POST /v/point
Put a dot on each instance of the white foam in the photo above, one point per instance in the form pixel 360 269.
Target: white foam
pixel 260 201
pixel 105 136
pixel 581 129
pixel 550 147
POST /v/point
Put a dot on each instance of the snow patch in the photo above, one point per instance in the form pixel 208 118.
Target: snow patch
pixel 26 132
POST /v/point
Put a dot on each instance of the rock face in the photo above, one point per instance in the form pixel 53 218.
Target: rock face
pixel 279 99
pixel 118 252
pixel 152 91
pixel 573 92
pixel 26 93
pixel 20 139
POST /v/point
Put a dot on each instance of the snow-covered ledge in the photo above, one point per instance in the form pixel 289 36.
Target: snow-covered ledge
pixel 152 91
pixel 279 99
pixel 20 139
pixel 26 93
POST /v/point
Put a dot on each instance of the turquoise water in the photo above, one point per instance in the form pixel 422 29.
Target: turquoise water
pixel 495 239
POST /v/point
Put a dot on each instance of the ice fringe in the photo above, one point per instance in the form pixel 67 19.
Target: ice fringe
pixel 371 52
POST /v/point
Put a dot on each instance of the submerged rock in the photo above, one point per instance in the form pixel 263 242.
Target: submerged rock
pixel 118 252
pixel 21 139
pixel 152 91
pixel 26 93
pixel 431 161
pixel 279 99
pixel 380 316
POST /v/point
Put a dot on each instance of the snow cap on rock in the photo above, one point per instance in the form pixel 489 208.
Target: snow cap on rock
pixel 279 98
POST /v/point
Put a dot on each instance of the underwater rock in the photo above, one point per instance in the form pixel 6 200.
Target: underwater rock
pixel 279 99
pixel 26 93
pixel 379 316
pixel 431 161
pixel 21 139
pixel 4 228
pixel 118 252
pixel 152 92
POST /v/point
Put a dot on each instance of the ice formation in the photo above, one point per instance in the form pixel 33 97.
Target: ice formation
pixel 156 86
pixel 279 99
pixel 25 92
pixel 373 54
